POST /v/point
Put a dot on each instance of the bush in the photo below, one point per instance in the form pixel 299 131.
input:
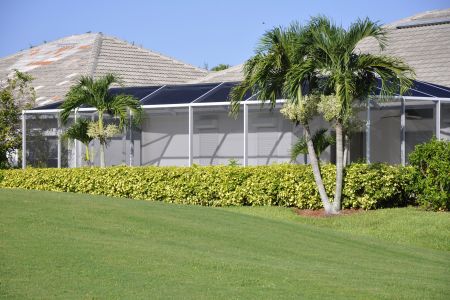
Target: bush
pixel 431 176
pixel 365 186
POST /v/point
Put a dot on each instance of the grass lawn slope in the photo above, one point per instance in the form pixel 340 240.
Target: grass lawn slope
pixel 59 245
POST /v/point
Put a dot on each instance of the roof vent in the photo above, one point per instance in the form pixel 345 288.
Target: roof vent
pixel 420 23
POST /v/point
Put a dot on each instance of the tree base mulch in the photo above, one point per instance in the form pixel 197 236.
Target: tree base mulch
pixel 320 213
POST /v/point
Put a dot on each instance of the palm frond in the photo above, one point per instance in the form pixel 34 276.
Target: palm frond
pixel 119 105
pixel 364 28
pixel 78 131
pixel 321 141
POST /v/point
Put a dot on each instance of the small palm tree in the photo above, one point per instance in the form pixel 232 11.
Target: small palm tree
pixel 94 93
pixel 349 75
pixel 320 139
pixel 282 68
pixel 79 131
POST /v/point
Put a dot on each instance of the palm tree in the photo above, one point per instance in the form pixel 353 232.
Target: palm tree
pixel 79 131
pixel 94 93
pixel 320 139
pixel 349 75
pixel 282 67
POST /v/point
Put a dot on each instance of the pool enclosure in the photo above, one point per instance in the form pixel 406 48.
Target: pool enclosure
pixel 190 124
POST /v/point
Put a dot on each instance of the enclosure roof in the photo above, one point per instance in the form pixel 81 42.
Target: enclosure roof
pixel 220 92
pixel 58 64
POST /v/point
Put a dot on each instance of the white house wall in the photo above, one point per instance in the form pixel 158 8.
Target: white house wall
pixel 164 138
pixel 217 138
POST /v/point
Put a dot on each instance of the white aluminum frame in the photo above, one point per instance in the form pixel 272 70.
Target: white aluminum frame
pixel 245 104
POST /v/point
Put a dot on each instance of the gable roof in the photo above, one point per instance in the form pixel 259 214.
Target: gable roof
pixel 58 64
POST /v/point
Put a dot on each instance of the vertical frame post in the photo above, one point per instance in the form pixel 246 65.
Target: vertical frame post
pixel 59 141
pixel 24 140
pixel 131 142
pixel 368 142
pixel 191 135
pixel 438 119
pixel 402 131
pixel 124 145
pixel 245 134
pixel 75 150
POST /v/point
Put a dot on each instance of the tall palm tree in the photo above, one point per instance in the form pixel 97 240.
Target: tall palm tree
pixel 350 75
pixel 94 93
pixel 79 131
pixel 282 67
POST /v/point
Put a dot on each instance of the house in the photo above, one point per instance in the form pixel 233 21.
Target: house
pixel 186 114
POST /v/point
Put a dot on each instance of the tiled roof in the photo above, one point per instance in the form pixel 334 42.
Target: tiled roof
pixel 424 47
pixel 231 74
pixel 423 41
pixel 57 65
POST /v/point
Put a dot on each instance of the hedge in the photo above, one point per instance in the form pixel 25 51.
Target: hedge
pixel 431 174
pixel 365 186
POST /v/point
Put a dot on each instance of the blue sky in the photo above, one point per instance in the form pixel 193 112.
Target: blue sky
pixel 196 32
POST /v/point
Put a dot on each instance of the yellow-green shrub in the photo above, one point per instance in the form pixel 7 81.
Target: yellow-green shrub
pixel 365 186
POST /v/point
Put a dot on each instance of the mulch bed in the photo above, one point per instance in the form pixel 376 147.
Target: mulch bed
pixel 320 213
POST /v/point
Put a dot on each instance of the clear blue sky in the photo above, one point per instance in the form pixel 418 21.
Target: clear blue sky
pixel 195 32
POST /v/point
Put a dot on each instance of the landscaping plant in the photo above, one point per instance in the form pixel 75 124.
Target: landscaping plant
pixel 431 175
pixel 94 93
pixel 319 68
pixel 366 186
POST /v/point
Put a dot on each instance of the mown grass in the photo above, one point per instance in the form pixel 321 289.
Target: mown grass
pixel 405 226
pixel 72 246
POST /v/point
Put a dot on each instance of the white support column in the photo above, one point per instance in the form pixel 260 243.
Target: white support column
pixel 438 119
pixel 245 134
pixel 75 150
pixel 59 141
pixel 124 145
pixel 191 135
pixel 402 132
pixel 368 133
pixel 24 140
pixel 130 136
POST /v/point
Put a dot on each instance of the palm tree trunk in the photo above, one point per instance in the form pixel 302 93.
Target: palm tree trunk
pixel 102 144
pixel 316 170
pixel 339 168
pixel 346 150
pixel 87 156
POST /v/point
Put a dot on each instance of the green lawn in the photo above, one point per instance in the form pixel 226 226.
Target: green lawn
pixel 57 245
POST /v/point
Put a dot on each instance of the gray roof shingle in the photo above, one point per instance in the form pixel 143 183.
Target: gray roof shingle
pixel 424 46
pixel 58 64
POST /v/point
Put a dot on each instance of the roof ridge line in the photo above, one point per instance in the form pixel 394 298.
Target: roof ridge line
pixel 96 53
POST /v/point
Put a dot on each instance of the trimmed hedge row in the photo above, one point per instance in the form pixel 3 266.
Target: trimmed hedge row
pixel 365 186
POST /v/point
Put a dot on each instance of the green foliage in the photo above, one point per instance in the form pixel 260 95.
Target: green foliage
pixel 220 67
pixel 431 176
pixel 366 187
pixel 352 75
pixel 79 131
pixel 94 93
pixel 321 141
pixel 233 162
pixel 15 94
